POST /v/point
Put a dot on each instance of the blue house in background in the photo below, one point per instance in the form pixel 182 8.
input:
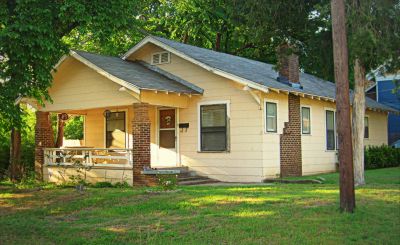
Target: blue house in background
pixel 385 92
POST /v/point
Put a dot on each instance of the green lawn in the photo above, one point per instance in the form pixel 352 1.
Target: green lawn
pixel 269 214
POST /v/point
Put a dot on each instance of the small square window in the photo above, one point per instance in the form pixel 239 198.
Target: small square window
pixel 160 58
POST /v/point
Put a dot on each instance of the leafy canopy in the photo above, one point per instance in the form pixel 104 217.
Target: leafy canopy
pixel 31 38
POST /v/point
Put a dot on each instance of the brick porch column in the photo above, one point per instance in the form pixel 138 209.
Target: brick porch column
pixel 141 145
pixel 43 139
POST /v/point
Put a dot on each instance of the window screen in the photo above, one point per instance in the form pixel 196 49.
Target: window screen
pixel 330 130
pixel 366 128
pixel 271 119
pixel 305 120
pixel 213 128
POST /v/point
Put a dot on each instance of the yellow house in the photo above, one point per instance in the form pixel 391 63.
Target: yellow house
pixel 166 104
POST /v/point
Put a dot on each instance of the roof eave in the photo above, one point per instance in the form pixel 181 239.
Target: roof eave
pixel 105 73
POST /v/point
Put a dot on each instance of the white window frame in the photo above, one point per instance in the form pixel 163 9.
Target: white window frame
pixel 126 126
pixel 301 119
pixel 335 129
pixel 161 53
pixel 228 115
pixel 265 116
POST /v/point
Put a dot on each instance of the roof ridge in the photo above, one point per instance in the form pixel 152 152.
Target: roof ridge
pixel 105 55
pixel 232 55
pixel 210 50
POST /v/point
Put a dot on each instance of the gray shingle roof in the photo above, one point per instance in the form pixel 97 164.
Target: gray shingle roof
pixel 139 75
pixel 259 72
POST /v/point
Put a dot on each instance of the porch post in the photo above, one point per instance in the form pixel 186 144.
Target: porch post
pixel 43 139
pixel 141 145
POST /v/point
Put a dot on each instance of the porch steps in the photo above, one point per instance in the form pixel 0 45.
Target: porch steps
pixel 203 180
pixel 188 177
pixel 192 178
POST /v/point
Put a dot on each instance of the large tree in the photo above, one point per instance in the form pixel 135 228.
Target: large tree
pixel 340 54
pixel 31 38
pixel 374 42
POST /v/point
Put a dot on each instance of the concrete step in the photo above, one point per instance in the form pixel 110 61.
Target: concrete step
pixel 190 178
pixel 183 170
pixel 198 182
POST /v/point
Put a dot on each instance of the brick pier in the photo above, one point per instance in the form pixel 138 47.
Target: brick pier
pixel 44 138
pixel 141 145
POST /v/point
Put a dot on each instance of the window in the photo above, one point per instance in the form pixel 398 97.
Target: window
pixel 330 130
pixel 213 127
pixel 305 120
pixel 366 128
pixel 115 130
pixel 160 58
pixel 271 117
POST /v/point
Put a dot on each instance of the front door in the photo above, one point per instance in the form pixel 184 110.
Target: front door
pixel 167 138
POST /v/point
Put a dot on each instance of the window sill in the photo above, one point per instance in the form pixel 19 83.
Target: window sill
pixel 213 151
pixel 331 150
pixel 306 134
pixel 267 132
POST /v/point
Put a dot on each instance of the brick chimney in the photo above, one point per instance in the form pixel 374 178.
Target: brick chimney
pixel 288 66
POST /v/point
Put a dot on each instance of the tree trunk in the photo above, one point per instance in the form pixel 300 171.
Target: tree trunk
pixel 218 42
pixel 60 131
pixel 185 38
pixel 15 167
pixel 358 123
pixel 343 122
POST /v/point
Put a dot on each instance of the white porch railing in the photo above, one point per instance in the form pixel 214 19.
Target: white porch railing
pixel 88 157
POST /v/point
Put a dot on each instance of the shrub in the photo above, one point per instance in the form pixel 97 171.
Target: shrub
pixel 381 157
pixel 103 184
pixel 122 184
pixel 167 181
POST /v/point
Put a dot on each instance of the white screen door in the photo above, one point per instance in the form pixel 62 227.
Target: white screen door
pixel 167 138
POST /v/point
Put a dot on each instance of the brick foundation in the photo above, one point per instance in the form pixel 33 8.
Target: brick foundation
pixel 44 138
pixel 290 141
pixel 141 145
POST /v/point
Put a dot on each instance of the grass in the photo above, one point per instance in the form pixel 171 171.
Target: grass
pixel 267 214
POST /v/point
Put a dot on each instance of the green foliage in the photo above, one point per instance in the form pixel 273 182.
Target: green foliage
pixel 167 181
pixel 27 182
pixel 122 184
pixel 31 37
pixel 373 34
pixel 74 128
pixel 381 157
pixel 102 184
pixel 27 139
pixel 105 184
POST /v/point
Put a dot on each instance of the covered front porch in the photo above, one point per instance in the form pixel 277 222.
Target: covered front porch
pixel 131 115
pixel 118 144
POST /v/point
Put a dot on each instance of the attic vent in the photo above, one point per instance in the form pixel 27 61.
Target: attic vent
pixel 160 58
